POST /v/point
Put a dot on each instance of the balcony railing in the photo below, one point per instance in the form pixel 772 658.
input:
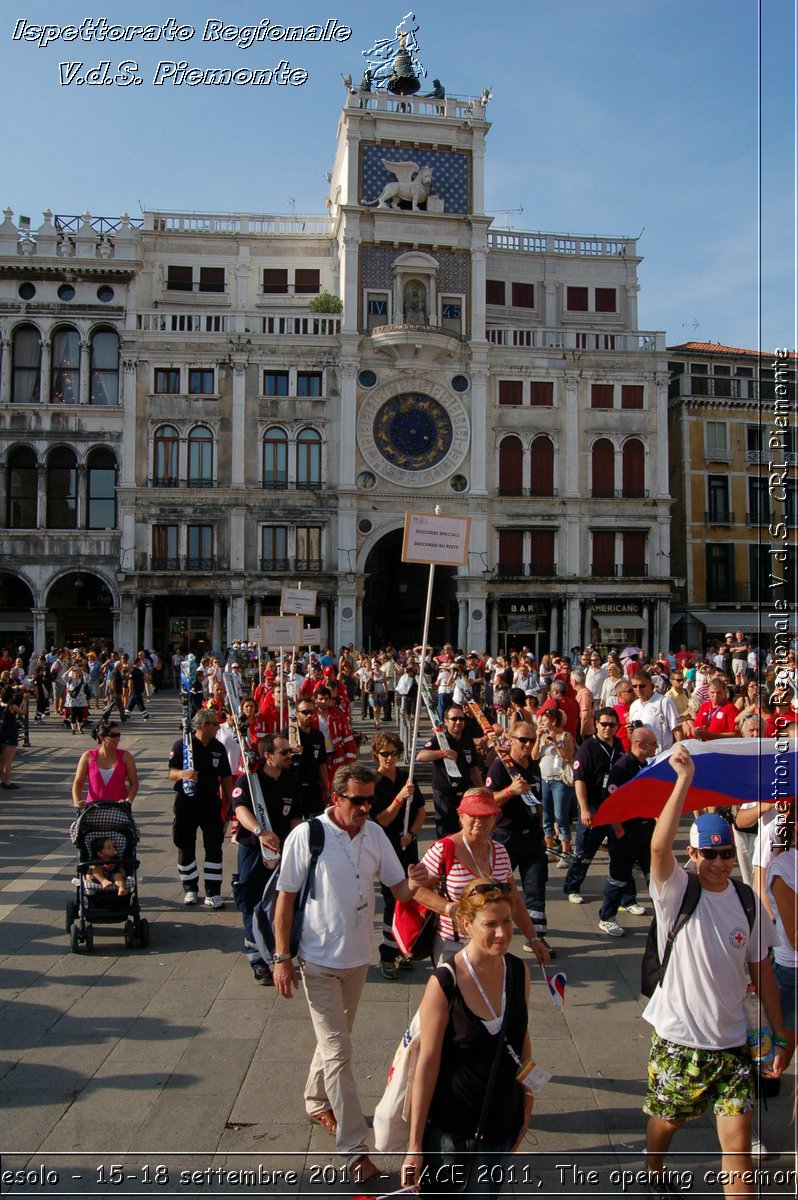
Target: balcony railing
pixel 187 563
pixel 247 223
pixel 532 492
pixel 719 516
pixel 157 320
pixel 519 570
pixel 201 484
pixel 618 570
pixel 199 563
pixel 164 564
pixel 733 593
pixel 296 485
pixel 271 566
pixel 555 243
pixel 717 455
pixel 164 481
pixel 757 518
pixel 576 339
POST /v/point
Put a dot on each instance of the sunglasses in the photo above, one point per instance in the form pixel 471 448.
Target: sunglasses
pixel 482 889
pixel 360 801
pixel 711 855
pixel 638 686
pixel 455 720
pixel 286 752
pixel 112 735
pixel 388 753
pixel 608 724
pixel 305 712
pixel 523 741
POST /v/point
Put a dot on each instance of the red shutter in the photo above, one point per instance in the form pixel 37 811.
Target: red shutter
pixel 601 395
pixel 603 468
pixel 633 469
pixel 634 552
pixel 542 467
pixel 541 394
pixel 523 295
pixel 511 552
pixel 511 468
pixel 542 552
pixel 511 391
pixel 494 291
pixel 631 395
pixel 576 299
pixel 604 552
pixel 605 300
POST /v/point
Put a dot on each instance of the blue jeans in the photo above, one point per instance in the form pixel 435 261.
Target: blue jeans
pixel 450 1164
pixel 557 800
pixel 620 887
pixel 786 978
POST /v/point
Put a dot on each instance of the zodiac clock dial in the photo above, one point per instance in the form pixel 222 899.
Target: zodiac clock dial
pixel 412 431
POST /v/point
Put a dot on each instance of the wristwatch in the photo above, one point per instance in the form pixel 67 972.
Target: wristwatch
pixel 258 831
pixel 278 958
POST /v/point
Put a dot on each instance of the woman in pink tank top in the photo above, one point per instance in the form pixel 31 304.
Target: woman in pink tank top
pixel 111 772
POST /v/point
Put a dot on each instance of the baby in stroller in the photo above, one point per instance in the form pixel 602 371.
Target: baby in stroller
pixel 107 869
pixel 106 838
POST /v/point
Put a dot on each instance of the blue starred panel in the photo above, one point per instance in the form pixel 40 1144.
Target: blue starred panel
pixel 377 270
pixel 450 173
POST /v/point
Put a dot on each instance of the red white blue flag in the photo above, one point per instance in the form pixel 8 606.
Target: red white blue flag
pixel 727 771
pixel 556 986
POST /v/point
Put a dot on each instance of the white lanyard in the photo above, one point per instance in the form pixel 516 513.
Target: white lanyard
pixel 494 1015
pixel 473 857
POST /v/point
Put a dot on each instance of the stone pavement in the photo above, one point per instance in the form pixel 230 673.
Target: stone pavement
pixel 167 1071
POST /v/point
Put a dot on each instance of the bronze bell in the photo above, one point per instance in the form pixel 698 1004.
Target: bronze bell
pixel 403 81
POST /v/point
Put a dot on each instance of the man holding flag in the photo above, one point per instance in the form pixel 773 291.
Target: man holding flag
pixel 698 1050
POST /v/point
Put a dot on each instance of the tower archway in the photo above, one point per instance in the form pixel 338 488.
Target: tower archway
pixel 395 595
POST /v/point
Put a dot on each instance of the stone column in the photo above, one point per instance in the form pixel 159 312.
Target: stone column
pixel 347 433
pixel 41 496
pixel 571 632
pixel 147 635
pixel 479 428
pixel 216 628
pixel 237 619
pixel 238 436
pixel 5 376
pixel 476 628
pixel 554 626
pixel 663 623
pixel 493 647
pixel 587 623
pixel 128 401
pixel 39 629
pixel 570 439
pixel 462 612
pixel 45 372
pixel 116 627
pixel 324 622
pixel 85 359
pixel 82 510
pixel 646 631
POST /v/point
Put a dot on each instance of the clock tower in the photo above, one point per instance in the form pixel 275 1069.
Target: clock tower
pixel 407 207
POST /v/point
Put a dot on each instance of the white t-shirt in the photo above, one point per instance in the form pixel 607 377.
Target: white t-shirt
pixel 338 927
pixel 785 866
pixel 661 714
pixel 700 1000
pixel 762 854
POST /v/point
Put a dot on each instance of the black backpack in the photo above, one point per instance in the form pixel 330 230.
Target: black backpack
pixel 652 971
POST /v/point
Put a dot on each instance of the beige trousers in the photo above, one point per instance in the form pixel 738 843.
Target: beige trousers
pixel 333 997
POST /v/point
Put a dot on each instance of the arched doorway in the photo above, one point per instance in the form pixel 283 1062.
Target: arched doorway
pixel 80 605
pixel 16 619
pixel 395 595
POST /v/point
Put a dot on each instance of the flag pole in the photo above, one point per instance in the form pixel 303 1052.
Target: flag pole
pixel 417 712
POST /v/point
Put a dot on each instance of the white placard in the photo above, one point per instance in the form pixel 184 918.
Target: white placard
pixel 253 634
pixel 301 601
pixel 429 538
pixel 311 637
pixel 280 631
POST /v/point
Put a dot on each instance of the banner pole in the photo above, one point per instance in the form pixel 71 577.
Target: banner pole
pixel 417 713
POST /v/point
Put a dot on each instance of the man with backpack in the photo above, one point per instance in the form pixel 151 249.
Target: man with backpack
pixel 698 1050
pixel 335 947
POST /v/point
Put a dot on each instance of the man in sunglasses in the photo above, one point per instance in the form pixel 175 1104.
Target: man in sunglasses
pixel 280 792
pixel 698 1050
pixel 520 828
pixel 201 810
pixel 656 711
pixel 335 947
pixel 447 792
pixel 309 761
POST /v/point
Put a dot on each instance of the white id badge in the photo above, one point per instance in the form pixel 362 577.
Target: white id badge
pixel 360 913
pixel 532 1077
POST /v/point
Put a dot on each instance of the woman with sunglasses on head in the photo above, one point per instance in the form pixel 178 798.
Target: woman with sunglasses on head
pixel 393 793
pixel 463 857
pixel 111 772
pixel 468 1109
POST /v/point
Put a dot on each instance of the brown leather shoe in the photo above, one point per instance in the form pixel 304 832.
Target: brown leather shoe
pixel 326 1118
pixel 362 1169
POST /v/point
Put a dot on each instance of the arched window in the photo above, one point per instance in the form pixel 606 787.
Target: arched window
pixel 101 490
pixel 165 457
pixel 308 459
pixel 633 471
pixel 275 458
pixel 26 362
pixel 62 489
pixel 542 467
pixel 104 367
pixel 511 467
pixel 603 458
pixel 21 488
pixel 200 457
pixel 65 367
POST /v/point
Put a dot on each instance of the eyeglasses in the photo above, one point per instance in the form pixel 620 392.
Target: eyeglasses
pixel 608 724
pixel 455 720
pixel 286 752
pixel 482 889
pixel 638 686
pixel 711 855
pixel 360 801
pixel 305 712
pixel 523 741
pixel 388 753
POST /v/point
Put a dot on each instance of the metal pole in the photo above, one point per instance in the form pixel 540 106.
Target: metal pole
pixel 417 713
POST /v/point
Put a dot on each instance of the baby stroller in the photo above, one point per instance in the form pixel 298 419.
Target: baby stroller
pixel 93 906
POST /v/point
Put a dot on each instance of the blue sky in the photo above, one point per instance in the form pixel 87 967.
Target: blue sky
pixel 609 117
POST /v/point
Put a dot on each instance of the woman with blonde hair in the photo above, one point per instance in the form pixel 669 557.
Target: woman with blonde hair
pixel 468 1109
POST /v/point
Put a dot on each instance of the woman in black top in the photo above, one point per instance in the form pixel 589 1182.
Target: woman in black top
pixel 461 1018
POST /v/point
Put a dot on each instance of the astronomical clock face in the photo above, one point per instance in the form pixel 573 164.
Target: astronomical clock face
pixel 415 437
pixel 413 431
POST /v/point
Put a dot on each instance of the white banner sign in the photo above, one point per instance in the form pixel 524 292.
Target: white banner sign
pixel 301 601
pixel 429 538
pixel 281 631
pixel 311 637
pixel 253 634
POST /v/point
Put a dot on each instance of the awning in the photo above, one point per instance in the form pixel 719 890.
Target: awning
pixel 618 621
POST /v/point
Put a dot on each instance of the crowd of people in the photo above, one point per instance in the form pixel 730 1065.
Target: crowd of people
pixel 523 753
